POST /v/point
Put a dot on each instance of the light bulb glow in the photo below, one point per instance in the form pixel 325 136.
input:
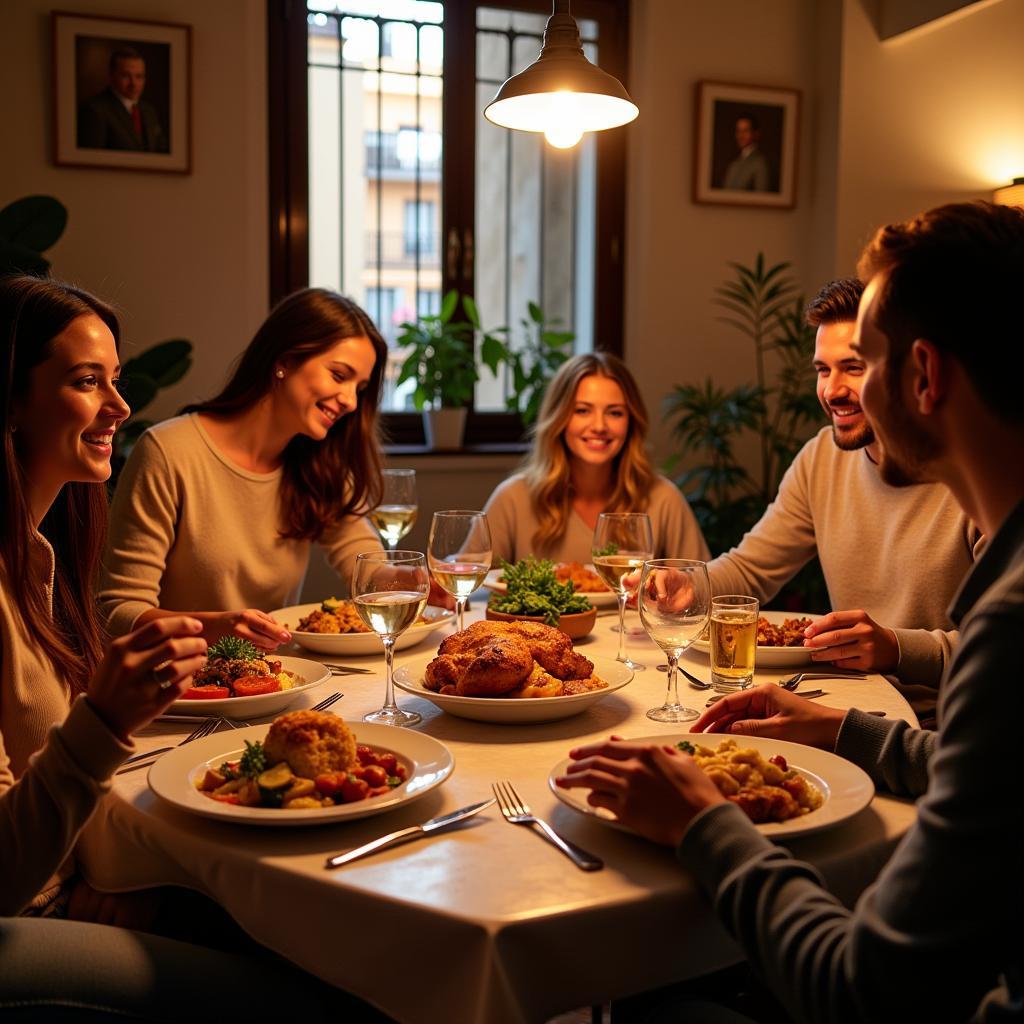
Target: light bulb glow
pixel 563 125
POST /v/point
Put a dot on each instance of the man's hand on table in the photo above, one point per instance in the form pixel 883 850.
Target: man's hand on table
pixel 654 790
pixel 768 710
pixel 855 641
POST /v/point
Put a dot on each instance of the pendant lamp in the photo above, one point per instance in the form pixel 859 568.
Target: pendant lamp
pixel 561 94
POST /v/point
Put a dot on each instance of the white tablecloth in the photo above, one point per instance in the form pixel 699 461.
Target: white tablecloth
pixel 486 923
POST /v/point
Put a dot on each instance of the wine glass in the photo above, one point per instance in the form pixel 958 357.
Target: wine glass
pixel 394 517
pixel 389 589
pixel 675 601
pixel 459 553
pixel 622 543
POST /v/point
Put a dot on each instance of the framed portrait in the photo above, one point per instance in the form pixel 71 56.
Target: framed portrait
pixel 745 153
pixel 122 93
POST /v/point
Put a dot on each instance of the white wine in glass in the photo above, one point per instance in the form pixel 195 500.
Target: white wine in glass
pixel 395 516
pixel 622 543
pixel 674 600
pixel 389 590
pixel 459 553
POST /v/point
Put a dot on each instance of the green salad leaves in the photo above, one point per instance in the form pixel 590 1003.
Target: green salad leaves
pixel 533 589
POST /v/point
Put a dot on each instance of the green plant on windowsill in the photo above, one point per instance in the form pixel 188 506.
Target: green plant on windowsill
pixel 532 363
pixel 780 409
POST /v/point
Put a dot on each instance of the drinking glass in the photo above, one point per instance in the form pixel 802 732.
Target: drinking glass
pixel 394 517
pixel 459 553
pixel 674 600
pixel 389 589
pixel 733 641
pixel 622 543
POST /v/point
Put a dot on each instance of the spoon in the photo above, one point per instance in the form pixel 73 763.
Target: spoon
pixel 697 684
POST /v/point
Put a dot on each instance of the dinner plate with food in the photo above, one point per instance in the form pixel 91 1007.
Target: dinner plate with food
pixel 241 681
pixel 583 578
pixel 334 627
pixel 305 768
pixel 511 672
pixel 780 637
pixel 786 789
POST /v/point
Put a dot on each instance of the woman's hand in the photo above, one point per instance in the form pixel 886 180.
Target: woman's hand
pixel 854 641
pixel 654 790
pixel 769 710
pixel 439 597
pixel 141 673
pixel 250 624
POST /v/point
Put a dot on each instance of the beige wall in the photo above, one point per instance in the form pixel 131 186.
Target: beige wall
pixel 181 255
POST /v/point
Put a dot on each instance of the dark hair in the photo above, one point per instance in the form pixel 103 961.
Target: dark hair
pixel 835 303
pixel 323 481
pixel 953 275
pixel 33 311
pixel 123 53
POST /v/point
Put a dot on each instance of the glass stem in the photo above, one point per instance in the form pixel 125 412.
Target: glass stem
pixel 389 667
pixel 622 596
pixel 460 607
pixel 672 693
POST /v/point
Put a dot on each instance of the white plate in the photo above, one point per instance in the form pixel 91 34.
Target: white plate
pixel 847 789
pixel 263 703
pixel 349 644
pixel 777 657
pixel 173 776
pixel 601 599
pixel 514 711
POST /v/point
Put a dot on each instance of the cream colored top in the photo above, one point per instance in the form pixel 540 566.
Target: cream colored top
pixel 898 553
pixel 513 523
pixel 55 762
pixel 192 531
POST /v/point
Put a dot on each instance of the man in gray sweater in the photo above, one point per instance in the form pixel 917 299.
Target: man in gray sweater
pixel 892 557
pixel 937 936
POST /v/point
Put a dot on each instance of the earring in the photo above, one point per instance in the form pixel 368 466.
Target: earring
pixel 279 373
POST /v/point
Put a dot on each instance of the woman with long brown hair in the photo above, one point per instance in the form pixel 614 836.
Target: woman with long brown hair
pixel 216 509
pixel 588 457
pixel 59 412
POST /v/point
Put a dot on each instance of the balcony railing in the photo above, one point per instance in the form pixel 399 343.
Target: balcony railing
pixel 396 249
pixel 387 157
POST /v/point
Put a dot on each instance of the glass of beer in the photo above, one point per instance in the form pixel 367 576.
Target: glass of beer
pixel 390 590
pixel 395 515
pixel 733 641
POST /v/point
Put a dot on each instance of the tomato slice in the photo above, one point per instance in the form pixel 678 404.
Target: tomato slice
pixel 206 693
pixel 250 686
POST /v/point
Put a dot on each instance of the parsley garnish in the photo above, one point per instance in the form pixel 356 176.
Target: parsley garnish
pixel 234 647
pixel 686 747
pixel 254 761
pixel 533 589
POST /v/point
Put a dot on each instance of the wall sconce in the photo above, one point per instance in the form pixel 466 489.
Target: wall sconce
pixel 1010 195
pixel 561 94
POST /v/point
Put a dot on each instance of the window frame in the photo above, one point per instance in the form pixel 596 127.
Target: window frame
pixel 288 134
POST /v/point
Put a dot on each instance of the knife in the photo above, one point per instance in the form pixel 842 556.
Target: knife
pixel 405 834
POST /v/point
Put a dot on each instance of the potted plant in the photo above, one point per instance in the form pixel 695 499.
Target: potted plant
pixel 441 361
pixel 532 363
pixel 28 227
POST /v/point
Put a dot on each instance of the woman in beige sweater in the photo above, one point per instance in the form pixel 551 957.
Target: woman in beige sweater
pixel 216 510
pixel 67 709
pixel 588 457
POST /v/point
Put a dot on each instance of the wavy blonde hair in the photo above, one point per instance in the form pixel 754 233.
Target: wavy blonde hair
pixel 546 468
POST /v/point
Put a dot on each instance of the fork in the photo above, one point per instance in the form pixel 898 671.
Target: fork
pixel 327 702
pixel 517 812
pixel 792 682
pixel 144 760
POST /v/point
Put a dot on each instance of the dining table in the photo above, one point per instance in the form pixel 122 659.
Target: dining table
pixel 485 922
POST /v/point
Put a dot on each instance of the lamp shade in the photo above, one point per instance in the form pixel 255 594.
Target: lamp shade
pixel 561 93
pixel 1010 195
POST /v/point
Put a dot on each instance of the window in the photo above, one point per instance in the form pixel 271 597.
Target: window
pixel 389 185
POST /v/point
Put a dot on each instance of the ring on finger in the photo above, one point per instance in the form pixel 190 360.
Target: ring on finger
pixel 160 675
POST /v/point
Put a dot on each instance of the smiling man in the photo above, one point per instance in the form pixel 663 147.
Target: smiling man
pixel 892 558
pixel 937 936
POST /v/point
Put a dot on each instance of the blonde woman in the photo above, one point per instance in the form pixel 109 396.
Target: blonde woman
pixel 588 457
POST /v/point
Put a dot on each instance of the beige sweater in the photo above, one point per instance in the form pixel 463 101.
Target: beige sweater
pixel 513 523
pixel 899 554
pixel 55 763
pixel 191 531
